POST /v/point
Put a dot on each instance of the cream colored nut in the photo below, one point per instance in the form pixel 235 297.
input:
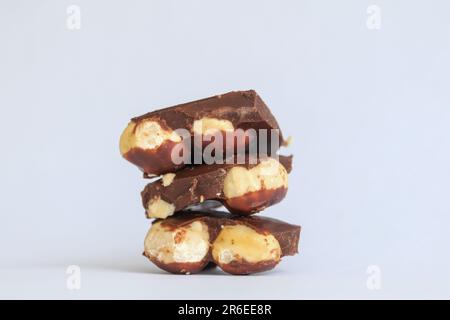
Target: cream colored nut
pixel 211 125
pixel 269 174
pixel 189 243
pixel 160 209
pixel 243 244
pixel 146 134
pixel 167 179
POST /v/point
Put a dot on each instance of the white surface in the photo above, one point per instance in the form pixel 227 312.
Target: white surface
pixel 369 112
pixel 135 279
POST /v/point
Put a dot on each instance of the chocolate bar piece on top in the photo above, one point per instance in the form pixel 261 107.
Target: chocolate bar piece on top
pixel 149 140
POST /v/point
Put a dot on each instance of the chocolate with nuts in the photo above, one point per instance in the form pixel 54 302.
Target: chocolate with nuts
pixel 148 140
pixel 242 188
pixel 191 240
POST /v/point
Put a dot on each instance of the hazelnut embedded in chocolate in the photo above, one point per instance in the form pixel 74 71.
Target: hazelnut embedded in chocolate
pixel 189 241
pixel 160 209
pixel 249 190
pixel 167 179
pixel 243 188
pixel 149 146
pixel 206 126
pixel 239 249
pixel 183 249
pixel 149 141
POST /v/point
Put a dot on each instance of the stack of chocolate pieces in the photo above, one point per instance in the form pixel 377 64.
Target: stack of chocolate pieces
pixel 202 155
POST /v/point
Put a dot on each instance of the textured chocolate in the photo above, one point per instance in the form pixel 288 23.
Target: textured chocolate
pixel 287 235
pixel 196 184
pixel 244 109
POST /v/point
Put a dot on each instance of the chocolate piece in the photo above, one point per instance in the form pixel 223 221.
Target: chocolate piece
pixel 149 140
pixel 190 240
pixel 241 188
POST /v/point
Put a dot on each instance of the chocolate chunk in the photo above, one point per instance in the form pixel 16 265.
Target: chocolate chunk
pixel 190 240
pixel 149 141
pixel 242 188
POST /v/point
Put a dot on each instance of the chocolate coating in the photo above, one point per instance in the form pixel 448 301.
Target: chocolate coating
pixel 244 109
pixel 156 161
pixel 253 202
pixel 244 267
pixel 287 235
pixel 196 184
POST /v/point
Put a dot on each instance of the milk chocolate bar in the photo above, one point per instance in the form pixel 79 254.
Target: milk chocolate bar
pixel 242 188
pixel 149 141
pixel 190 241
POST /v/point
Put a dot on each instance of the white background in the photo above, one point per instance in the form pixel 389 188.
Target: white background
pixel 369 112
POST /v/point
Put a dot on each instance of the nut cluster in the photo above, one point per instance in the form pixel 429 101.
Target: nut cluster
pixel 186 240
pixel 191 241
pixel 242 189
